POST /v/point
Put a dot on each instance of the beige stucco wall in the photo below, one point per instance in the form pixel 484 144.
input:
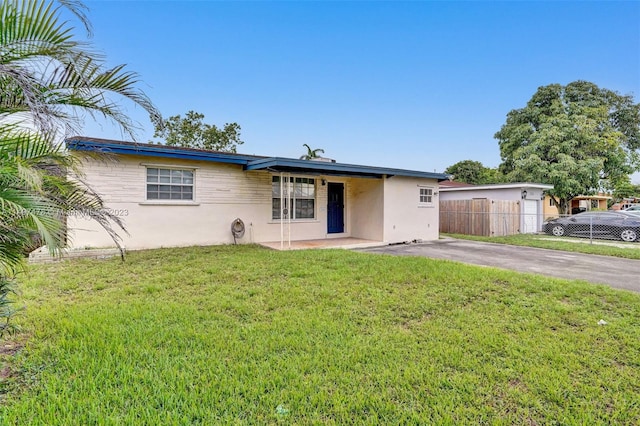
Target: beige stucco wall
pixel 404 218
pixel 552 211
pixel 367 214
pixel 224 192
pixel 548 209
pixel 221 194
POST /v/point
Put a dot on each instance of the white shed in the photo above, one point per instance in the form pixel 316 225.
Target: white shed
pixel 526 202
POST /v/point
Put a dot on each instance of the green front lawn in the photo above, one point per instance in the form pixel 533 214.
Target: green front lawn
pixel 245 335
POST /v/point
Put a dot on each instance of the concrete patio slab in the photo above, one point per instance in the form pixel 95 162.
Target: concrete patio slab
pixel 326 243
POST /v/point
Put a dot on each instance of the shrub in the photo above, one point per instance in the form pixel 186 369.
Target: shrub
pixel 7 308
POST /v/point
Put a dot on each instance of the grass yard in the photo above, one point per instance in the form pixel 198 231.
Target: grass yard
pixel 573 244
pixel 245 335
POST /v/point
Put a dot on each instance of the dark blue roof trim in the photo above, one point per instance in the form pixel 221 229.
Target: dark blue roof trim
pixel 249 162
pixel 323 167
pixel 149 150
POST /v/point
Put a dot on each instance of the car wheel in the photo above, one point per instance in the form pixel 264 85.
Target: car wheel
pixel 628 235
pixel 558 230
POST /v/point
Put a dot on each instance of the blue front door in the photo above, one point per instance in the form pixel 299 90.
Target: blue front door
pixel 335 208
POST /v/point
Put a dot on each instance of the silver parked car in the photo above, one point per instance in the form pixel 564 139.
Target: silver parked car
pixel 620 225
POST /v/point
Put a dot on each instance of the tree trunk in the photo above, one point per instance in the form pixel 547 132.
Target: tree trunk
pixel 563 208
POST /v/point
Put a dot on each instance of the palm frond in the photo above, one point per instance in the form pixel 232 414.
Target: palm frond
pixel 79 9
pixel 49 79
pixel 43 69
pixel 22 215
pixel 88 87
pixel 39 186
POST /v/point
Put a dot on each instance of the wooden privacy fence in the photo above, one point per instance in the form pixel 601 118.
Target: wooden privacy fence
pixel 487 218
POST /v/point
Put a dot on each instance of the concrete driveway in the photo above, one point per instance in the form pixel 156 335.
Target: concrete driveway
pixel 613 271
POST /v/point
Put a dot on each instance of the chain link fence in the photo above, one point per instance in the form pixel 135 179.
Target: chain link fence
pixel 607 225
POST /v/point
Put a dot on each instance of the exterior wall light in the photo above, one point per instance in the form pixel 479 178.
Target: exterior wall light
pixel 524 194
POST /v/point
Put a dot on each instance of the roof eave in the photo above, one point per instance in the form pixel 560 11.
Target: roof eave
pixel 155 151
pixel 319 167
pixel 249 162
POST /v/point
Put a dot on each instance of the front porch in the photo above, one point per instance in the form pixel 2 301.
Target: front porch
pixel 325 243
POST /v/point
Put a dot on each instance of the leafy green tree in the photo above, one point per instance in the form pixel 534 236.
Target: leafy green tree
pixel 192 132
pixel 625 189
pixel 474 172
pixel 579 138
pixel 311 153
pixel 494 175
pixel 48 78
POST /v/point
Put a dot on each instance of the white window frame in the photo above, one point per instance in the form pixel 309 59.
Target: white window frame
pixel 293 198
pixel 425 199
pixel 170 184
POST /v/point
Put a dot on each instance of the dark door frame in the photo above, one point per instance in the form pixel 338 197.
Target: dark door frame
pixel 335 207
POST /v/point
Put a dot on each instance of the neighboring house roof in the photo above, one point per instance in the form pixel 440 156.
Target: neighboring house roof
pixel 520 185
pixel 454 184
pixel 249 162
pixel 592 197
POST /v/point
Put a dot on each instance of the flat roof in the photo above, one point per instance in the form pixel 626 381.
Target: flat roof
pixel 520 185
pixel 593 197
pixel 248 162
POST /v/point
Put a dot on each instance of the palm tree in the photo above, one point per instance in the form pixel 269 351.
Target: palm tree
pixel 47 77
pixel 311 153
pixel 39 185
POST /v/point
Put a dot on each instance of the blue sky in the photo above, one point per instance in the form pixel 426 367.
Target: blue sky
pixel 416 85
